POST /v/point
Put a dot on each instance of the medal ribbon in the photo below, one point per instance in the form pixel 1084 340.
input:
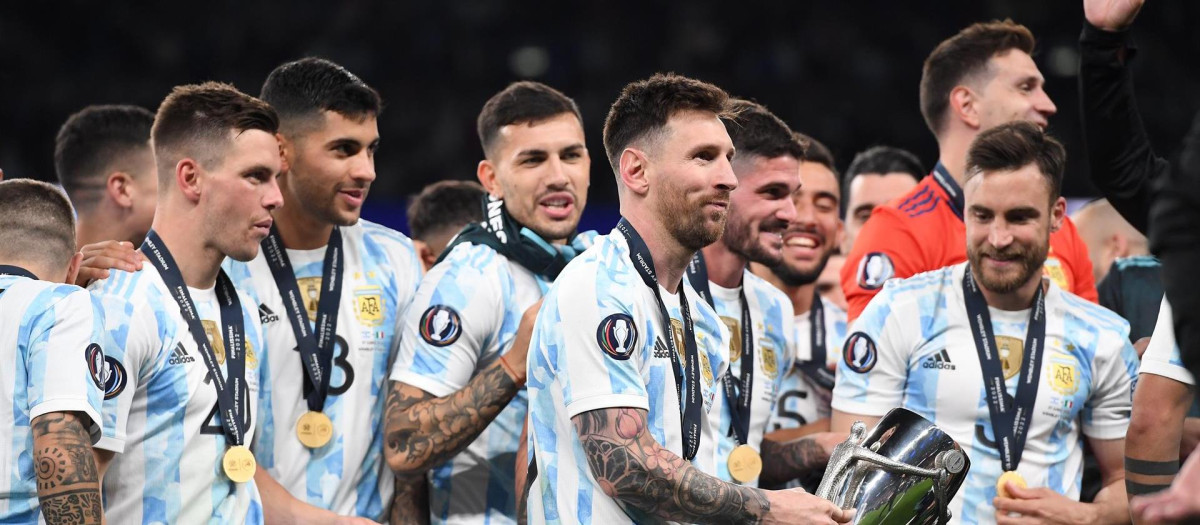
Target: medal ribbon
pixel 815 368
pixel 739 404
pixel 231 390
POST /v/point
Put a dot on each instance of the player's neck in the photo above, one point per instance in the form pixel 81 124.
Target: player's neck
pixel 801 296
pixel 299 229
pixel 198 262
pixel 102 224
pixel 1016 300
pixel 953 155
pixel 725 267
pixel 670 257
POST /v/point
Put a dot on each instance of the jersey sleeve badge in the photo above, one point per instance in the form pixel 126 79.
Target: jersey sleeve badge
pixel 860 353
pixel 440 325
pixel 617 336
pixel 95 362
pixel 874 270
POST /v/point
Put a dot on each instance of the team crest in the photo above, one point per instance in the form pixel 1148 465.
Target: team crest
pixel 1053 269
pixel 213 333
pixel 368 305
pixel 1011 352
pixel 677 335
pixel 310 293
pixel 1064 378
pixel 95 361
pixel 860 353
pixel 617 336
pixel 770 363
pixel 706 369
pixel 874 270
pixel 440 325
pixel 735 338
pixel 114 378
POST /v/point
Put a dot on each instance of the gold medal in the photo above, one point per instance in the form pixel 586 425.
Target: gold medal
pixel 1005 478
pixel 239 464
pixel 744 464
pixel 314 429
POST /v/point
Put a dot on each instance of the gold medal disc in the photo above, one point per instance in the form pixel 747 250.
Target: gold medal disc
pixel 239 464
pixel 744 464
pixel 314 429
pixel 1005 478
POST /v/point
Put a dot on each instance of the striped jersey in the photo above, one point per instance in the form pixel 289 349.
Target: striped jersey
pixel 380 273
pixel 801 400
pixel 160 407
pixel 771 315
pixel 463 318
pixel 600 342
pixel 52 344
pixel 1162 356
pixel 913 348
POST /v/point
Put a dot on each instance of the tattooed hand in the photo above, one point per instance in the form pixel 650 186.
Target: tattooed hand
pixel 648 480
pixel 67 480
pixel 410 504
pixel 797 458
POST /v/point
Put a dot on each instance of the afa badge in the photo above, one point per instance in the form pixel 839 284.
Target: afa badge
pixel 617 336
pixel 770 362
pixel 874 270
pixel 440 325
pixel 95 361
pixel 368 305
pixel 860 353
pixel 1064 378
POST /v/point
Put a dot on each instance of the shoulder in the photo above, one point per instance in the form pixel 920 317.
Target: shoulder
pixel 1079 310
pixel 132 287
pixel 918 202
pixel 606 264
pixel 47 300
pixel 377 235
pixel 768 296
pixel 471 262
pixel 1138 263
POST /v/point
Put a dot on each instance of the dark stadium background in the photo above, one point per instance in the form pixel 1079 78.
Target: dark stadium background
pixel 845 72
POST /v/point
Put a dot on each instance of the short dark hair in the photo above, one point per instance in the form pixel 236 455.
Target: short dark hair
pixel 39 223
pixel 815 151
pixel 195 121
pixel 300 90
pixel 445 205
pixel 645 106
pixel 884 160
pixel 1015 145
pixel 756 132
pixel 95 140
pixel 964 55
pixel 524 102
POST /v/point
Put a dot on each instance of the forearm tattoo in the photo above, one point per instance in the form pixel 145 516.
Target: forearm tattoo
pixel 648 480
pixel 411 501
pixel 784 462
pixel 423 431
pixel 67 479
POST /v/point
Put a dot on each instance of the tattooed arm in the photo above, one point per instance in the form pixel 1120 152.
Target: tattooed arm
pixel 68 482
pixel 423 431
pixel 648 480
pixel 410 504
pixel 796 458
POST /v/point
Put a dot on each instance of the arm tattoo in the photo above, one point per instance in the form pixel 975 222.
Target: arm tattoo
pixel 791 460
pixel 423 431
pixel 648 480
pixel 67 480
pixel 411 502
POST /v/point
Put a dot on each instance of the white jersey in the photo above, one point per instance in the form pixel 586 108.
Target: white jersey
pixel 771 315
pixel 463 318
pixel 912 347
pixel 1162 356
pixel 160 411
pixel 380 273
pixel 599 343
pixel 52 344
pixel 802 400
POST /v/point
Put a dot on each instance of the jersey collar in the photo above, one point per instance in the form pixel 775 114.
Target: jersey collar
pixel 951 188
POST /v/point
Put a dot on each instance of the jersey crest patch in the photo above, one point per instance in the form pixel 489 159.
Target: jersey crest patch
pixel 95 362
pixel 874 270
pixel 860 353
pixel 617 336
pixel 368 305
pixel 440 325
pixel 114 378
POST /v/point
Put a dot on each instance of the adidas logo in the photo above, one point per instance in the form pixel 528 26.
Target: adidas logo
pixel 940 361
pixel 660 349
pixel 179 356
pixel 265 315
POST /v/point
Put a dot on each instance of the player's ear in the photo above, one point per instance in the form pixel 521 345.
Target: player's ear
pixel 1058 211
pixel 286 151
pixel 633 170
pixel 73 268
pixel 119 187
pixel 187 176
pixel 425 253
pixel 964 106
pixel 486 173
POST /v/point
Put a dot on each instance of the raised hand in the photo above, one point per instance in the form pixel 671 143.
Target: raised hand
pixel 1111 15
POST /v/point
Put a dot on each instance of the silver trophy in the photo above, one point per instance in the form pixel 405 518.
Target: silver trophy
pixel 905 471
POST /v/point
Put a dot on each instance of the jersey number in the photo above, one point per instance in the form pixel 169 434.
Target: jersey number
pixel 784 413
pixel 212 425
pixel 341 360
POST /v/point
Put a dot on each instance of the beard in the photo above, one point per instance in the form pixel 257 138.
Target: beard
pixel 795 275
pixel 1031 258
pixel 742 237
pixel 691 225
